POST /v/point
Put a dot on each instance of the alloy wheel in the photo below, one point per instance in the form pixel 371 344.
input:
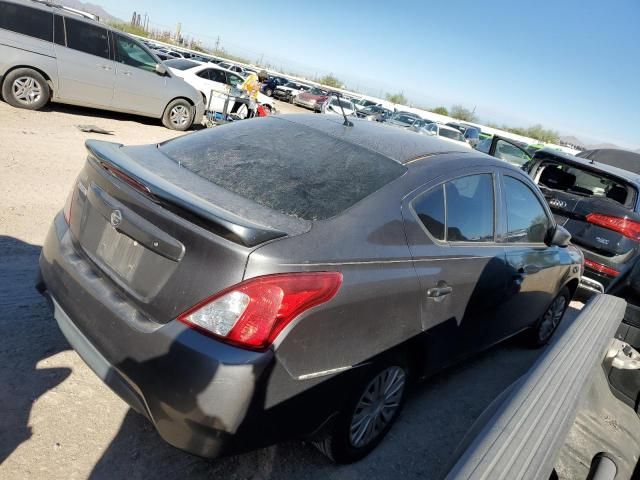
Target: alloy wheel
pixel 27 90
pixel 551 318
pixel 377 406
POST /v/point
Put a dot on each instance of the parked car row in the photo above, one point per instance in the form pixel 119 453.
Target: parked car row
pixel 216 85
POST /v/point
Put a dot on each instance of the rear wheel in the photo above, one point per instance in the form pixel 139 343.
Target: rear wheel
pixel 178 115
pixel 549 322
pixel 369 415
pixel 26 88
pixel 268 92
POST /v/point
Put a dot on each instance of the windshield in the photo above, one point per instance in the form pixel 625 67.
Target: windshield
pixel 317 91
pixel 345 104
pixel 181 64
pixel 452 134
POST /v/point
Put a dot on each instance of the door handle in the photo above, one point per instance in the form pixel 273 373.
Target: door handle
pixel 438 293
pixel 104 67
pixel 529 269
pixel 127 73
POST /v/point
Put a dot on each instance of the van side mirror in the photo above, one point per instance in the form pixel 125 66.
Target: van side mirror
pixel 558 236
pixel 161 69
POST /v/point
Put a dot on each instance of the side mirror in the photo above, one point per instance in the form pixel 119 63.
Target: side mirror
pixel 558 236
pixel 161 69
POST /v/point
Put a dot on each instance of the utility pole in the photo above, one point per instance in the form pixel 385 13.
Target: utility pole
pixel 217 48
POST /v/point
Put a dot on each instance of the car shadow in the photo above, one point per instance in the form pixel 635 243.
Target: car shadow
pixel 439 413
pixel 28 334
pixel 89 112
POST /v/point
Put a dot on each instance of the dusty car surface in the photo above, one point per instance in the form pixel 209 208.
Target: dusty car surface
pixel 287 277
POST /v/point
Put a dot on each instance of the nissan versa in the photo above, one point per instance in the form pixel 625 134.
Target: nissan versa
pixel 286 277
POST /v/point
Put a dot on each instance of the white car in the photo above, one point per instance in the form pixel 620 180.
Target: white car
pixel 363 103
pixel 335 106
pixel 214 84
pixel 289 91
pixel 449 134
pixel 233 68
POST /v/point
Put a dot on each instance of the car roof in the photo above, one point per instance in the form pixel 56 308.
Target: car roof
pixel 627 175
pixel 394 143
pixel 447 127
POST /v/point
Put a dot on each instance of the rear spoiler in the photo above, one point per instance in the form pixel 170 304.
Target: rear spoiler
pixel 183 202
pixel 520 434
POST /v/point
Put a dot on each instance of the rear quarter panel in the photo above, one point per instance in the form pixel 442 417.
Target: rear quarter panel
pixel 377 306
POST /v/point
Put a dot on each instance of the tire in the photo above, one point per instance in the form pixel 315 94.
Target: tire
pixel 178 115
pixel 550 320
pixel 358 428
pixel 26 88
pixel 268 92
pixel 291 100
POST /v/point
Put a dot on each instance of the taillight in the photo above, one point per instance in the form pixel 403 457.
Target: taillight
pixel 252 313
pixel 68 205
pixel 626 227
pixel 598 267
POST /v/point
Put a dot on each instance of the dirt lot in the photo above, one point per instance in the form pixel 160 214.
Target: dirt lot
pixel 59 421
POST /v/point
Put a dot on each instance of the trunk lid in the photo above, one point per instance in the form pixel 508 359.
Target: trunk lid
pixel 167 238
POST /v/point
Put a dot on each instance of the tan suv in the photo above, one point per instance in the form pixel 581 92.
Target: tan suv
pixel 50 53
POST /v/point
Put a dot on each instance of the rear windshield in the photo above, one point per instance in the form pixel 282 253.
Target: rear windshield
pixel 181 64
pixel 585 182
pixel 292 169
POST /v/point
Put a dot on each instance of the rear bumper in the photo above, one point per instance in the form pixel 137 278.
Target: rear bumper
pixel 203 396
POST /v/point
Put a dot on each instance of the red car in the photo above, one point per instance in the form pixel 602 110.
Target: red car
pixel 313 99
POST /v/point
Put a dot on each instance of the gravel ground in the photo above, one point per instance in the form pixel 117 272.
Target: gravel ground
pixel 60 422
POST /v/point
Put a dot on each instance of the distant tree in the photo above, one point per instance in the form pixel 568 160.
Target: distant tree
pixel 462 113
pixel 441 111
pixel 397 98
pixel 330 81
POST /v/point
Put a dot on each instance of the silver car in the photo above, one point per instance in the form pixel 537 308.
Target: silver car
pixel 50 53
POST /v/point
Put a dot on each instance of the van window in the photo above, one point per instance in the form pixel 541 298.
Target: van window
pixel 87 38
pixel 27 21
pixel 58 31
pixel 130 53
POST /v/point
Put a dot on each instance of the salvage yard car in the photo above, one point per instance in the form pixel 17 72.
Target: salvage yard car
pixel 288 277
pixel 215 84
pixel 48 53
pixel 597 199
pixel 289 91
pixel 447 133
pixel 312 99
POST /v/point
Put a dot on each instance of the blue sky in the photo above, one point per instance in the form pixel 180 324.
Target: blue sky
pixel 571 65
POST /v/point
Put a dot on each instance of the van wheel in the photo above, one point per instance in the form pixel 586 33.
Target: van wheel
pixel 26 88
pixel 178 115
pixel 548 323
pixel 368 415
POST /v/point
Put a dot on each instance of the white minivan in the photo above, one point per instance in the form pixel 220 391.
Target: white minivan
pixel 49 53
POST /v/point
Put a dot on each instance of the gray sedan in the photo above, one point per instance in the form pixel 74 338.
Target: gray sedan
pixel 288 277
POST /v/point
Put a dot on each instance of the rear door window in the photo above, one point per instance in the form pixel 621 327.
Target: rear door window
pixel 470 209
pixel 430 210
pixel 27 21
pixel 318 180
pixel 527 221
pixel 87 38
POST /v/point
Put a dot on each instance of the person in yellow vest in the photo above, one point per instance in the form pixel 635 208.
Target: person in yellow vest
pixel 251 86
